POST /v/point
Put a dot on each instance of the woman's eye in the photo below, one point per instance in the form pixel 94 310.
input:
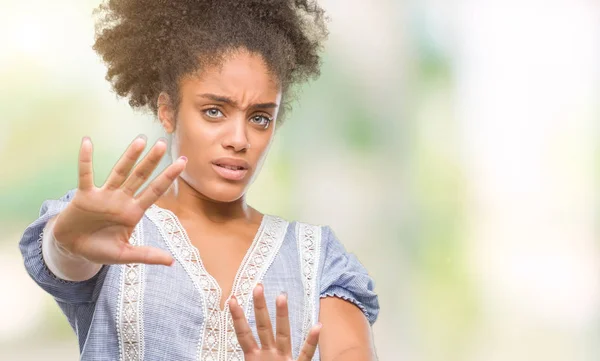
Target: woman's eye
pixel 261 120
pixel 213 112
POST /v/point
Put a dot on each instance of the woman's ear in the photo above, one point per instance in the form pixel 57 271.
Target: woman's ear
pixel 166 112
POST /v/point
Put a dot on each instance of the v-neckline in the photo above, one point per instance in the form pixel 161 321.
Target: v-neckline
pixel 204 272
pixel 218 335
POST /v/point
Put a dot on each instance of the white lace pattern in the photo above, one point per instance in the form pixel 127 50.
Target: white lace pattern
pixel 129 310
pixel 309 248
pixel 218 341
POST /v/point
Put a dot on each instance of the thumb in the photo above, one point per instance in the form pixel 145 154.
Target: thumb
pixel 146 255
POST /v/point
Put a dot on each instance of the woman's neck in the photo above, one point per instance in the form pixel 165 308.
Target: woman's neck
pixel 188 203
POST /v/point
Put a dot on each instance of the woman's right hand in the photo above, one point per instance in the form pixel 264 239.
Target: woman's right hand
pixel 98 222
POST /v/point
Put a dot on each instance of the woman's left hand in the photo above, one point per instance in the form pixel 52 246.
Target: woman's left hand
pixel 272 348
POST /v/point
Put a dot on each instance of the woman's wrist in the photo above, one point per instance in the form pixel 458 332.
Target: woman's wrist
pixel 63 263
pixel 60 249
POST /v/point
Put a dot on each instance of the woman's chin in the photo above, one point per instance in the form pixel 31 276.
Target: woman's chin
pixel 224 193
pixel 217 189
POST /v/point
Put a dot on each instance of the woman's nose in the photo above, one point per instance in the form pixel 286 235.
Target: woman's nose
pixel 236 136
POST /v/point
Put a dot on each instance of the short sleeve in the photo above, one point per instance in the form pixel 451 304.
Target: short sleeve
pixel 343 276
pixel 69 292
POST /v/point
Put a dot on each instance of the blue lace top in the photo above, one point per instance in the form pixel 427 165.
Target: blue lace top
pixel 137 311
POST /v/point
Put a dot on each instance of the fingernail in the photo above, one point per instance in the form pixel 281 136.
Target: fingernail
pixel 162 139
pixel 285 294
pixel 142 136
pixel 184 158
pixel 85 138
pixel 319 325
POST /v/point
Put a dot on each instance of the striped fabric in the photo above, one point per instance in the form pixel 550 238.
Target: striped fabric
pixel 146 312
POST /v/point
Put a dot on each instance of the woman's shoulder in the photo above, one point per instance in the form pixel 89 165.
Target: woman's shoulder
pixel 306 237
pixel 296 229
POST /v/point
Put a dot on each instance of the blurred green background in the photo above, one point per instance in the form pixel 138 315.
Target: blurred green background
pixel 452 146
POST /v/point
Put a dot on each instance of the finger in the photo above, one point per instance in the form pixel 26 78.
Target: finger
pixel 161 183
pixel 124 165
pixel 263 322
pixel 282 324
pixel 144 254
pixel 144 169
pixel 86 169
pixel 241 326
pixel 310 345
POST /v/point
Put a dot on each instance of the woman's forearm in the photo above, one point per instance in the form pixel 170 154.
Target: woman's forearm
pixel 357 353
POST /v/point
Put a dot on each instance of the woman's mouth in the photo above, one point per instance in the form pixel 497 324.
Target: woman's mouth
pixel 230 172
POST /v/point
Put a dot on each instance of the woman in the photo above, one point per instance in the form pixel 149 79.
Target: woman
pixel 185 269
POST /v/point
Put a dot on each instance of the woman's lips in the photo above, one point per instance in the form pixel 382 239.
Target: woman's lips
pixel 230 174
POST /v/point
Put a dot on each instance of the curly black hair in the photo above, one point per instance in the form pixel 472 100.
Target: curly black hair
pixel 148 45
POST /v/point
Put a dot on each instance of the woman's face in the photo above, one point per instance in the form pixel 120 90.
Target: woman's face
pixel 225 125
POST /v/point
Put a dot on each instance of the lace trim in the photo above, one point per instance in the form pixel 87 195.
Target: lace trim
pixel 177 241
pixel 254 267
pixel 130 332
pixel 217 341
pixel 309 249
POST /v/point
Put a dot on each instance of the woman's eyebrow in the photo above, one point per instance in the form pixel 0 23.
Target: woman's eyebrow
pixel 227 100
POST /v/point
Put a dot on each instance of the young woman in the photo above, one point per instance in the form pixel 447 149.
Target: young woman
pixel 185 269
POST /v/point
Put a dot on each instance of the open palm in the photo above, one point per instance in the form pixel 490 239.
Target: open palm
pixel 98 222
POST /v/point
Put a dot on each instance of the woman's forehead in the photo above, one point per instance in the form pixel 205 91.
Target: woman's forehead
pixel 241 72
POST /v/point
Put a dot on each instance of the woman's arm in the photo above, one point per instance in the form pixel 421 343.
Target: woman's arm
pixel 346 333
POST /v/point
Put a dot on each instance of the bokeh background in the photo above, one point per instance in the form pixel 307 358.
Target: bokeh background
pixel 451 145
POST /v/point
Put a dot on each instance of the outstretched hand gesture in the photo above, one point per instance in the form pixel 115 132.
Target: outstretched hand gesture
pixel 273 348
pixel 98 222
